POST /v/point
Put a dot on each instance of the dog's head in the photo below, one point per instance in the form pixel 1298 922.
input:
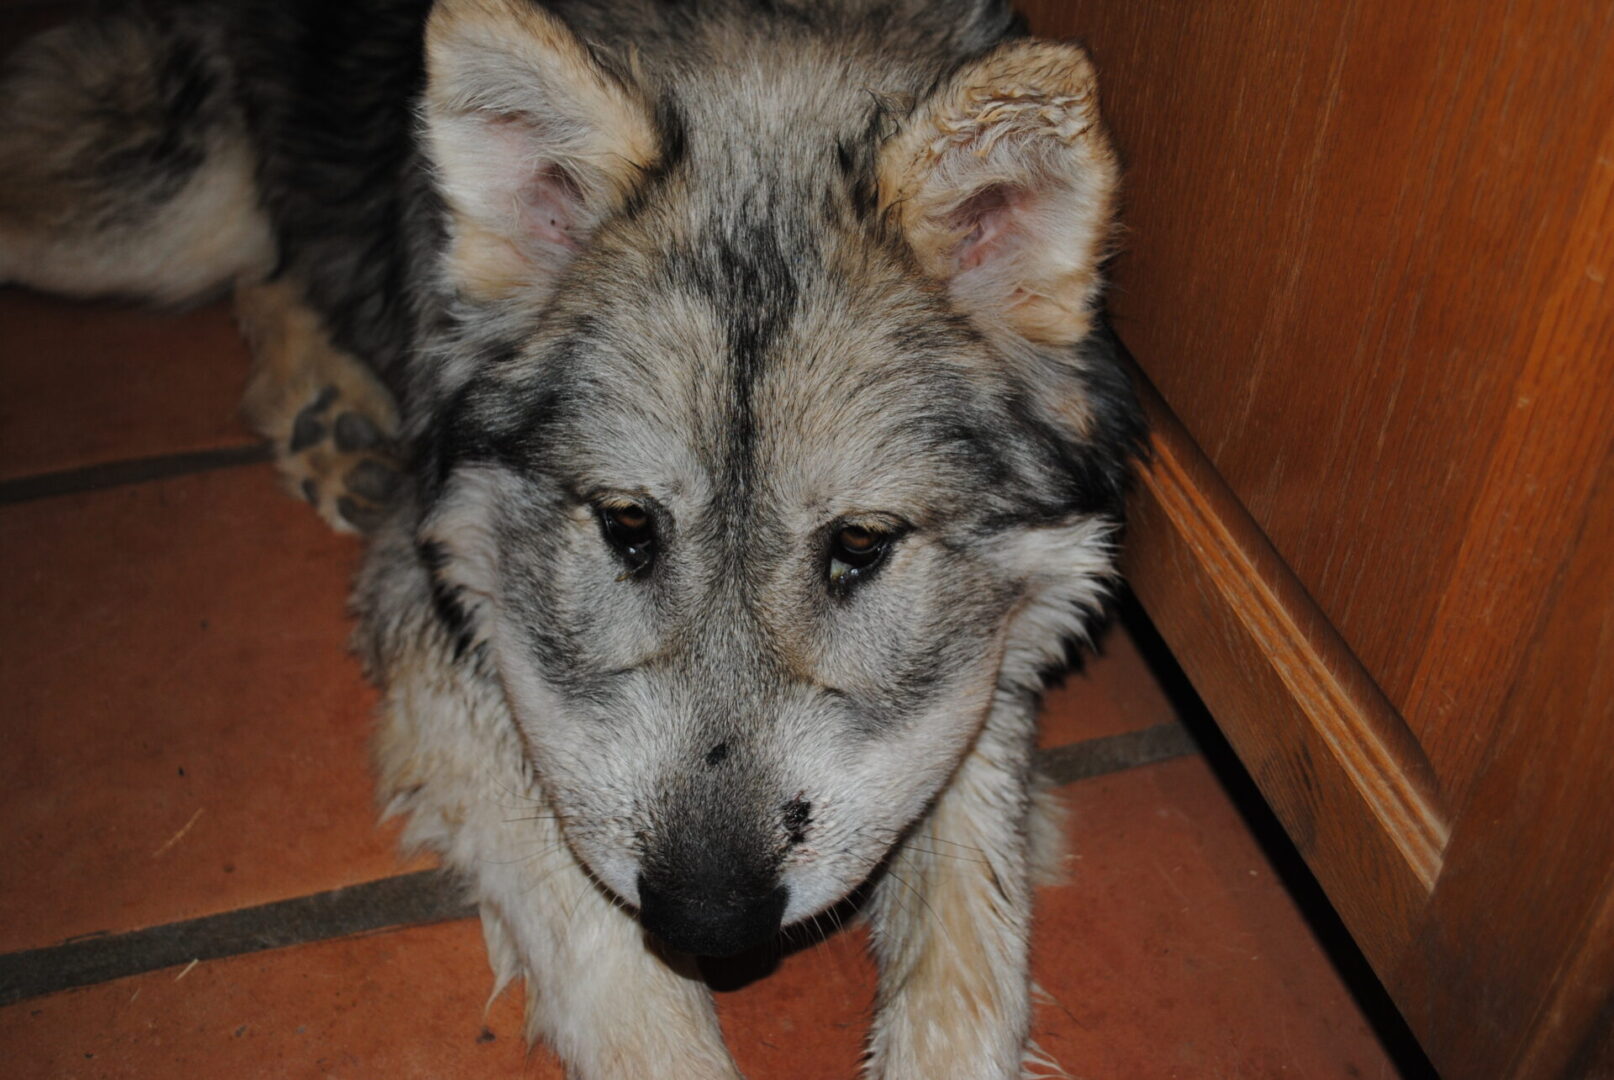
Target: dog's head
pixel 773 444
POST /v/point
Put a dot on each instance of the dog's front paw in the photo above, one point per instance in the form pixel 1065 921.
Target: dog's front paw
pixel 331 421
pixel 341 455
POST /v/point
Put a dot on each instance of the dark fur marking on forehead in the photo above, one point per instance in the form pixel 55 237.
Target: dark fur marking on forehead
pixel 937 333
pixel 972 449
pixel 743 271
pixel 1067 476
pixel 497 354
pixel 787 12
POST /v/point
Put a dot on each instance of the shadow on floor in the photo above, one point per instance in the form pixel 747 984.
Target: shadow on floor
pixel 1353 968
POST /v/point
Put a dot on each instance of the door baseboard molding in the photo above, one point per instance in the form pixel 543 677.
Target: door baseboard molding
pixel 1331 755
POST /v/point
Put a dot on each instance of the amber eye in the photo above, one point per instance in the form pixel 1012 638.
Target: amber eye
pixel 854 553
pixel 631 531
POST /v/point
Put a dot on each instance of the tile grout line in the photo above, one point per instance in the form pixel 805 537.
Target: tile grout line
pixel 414 899
pixel 1061 765
pixel 130 471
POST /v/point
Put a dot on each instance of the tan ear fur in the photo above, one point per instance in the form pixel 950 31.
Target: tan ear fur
pixel 533 142
pixel 1004 183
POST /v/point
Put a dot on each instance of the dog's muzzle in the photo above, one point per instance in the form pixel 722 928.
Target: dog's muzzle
pixel 711 922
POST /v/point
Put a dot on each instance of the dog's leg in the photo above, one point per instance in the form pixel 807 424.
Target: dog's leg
pixel 331 422
pixel 605 1003
pixel 951 918
pixel 451 759
pixel 609 1006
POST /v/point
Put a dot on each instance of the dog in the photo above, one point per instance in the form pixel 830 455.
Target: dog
pixel 725 391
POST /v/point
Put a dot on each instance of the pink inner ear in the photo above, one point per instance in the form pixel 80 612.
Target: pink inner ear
pixel 989 217
pixel 551 208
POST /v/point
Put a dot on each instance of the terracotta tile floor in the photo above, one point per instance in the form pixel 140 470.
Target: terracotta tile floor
pixel 101 384
pixel 185 735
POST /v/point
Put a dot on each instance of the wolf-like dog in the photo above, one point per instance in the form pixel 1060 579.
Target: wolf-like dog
pixel 724 386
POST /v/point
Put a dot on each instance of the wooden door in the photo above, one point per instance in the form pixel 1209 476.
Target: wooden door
pixel 1367 279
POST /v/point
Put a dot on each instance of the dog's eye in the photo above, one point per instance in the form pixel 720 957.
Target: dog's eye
pixel 854 553
pixel 631 531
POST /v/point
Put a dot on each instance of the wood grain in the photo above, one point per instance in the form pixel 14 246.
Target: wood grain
pixel 1338 765
pixel 1368 271
pixel 1345 222
pixel 1514 962
pixel 1549 453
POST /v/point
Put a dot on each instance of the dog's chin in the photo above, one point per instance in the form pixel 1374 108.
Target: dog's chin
pixel 812 894
pixel 812 901
pixel 809 889
pixel 617 875
pixel 804 897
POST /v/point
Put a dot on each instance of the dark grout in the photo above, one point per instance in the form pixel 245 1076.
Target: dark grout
pixel 136 471
pixel 1062 765
pixel 426 896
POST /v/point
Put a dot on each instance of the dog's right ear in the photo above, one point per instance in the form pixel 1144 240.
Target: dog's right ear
pixel 533 141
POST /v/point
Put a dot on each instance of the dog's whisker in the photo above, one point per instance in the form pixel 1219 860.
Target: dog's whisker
pixel 526 857
pixel 931 836
pixel 946 855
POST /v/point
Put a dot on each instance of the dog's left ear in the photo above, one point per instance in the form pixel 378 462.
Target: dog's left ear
pixel 533 141
pixel 1004 182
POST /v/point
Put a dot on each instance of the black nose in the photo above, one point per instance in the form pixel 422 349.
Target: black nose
pixel 720 922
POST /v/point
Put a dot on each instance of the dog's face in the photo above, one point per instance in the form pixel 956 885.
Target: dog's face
pixel 755 511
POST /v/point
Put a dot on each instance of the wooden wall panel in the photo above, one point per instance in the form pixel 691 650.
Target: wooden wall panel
pixel 1344 221
pixel 1512 970
pixel 1369 273
pixel 1552 449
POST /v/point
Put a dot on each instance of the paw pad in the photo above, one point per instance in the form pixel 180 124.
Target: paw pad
pixel 308 429
pixel 355 431
pixel 342 462
pixel 370 479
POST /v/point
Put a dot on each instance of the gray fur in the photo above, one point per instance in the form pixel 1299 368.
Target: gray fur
pixel 684 302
